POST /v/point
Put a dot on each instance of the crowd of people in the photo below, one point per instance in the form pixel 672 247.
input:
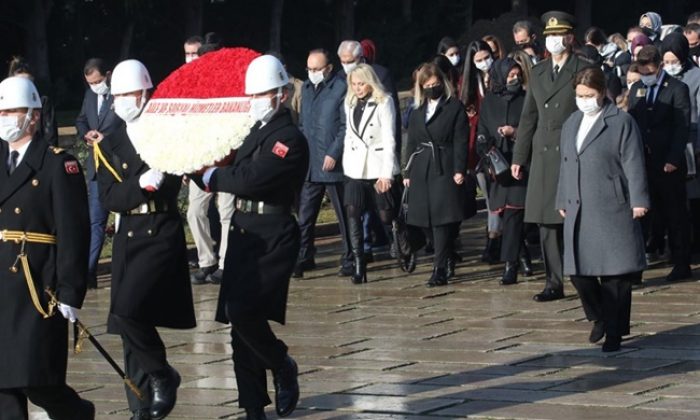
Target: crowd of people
pixel 587 147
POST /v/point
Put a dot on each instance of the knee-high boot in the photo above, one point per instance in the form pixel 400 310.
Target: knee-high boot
pixel 359 274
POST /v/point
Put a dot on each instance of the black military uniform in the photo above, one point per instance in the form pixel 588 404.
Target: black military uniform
pixel 43 212
pixel 150 277
pixel 267 174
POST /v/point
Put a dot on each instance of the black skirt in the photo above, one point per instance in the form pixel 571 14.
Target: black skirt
pixel 360 193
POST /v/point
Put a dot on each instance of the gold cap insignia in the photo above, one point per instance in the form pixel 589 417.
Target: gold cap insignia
pixel 552 21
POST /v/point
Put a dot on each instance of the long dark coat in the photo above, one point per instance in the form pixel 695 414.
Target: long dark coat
pixel 434 199
pixel 547 105
pixel 150 277
pixel 270 167
pixel 45 194
pixel 497 111
pixel 598 187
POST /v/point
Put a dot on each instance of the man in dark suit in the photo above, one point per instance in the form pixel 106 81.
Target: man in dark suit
pixel 661 106
pixel 96 120
pixel 550 100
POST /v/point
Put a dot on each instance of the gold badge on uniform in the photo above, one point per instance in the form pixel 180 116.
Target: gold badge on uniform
pixel 641 93
pixel 35 182
pixel 553 21
pixel 124 165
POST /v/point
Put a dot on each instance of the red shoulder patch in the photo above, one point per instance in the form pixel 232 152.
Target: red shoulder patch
pixel 280 149
pixel 71 167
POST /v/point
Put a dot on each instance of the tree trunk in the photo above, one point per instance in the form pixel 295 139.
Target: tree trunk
pixel 345 19
pixel 128 36
pixel 407 10
pixel 584 11
pixel 193 17
pixel 519 7
pixel 276 25
pixel 36 42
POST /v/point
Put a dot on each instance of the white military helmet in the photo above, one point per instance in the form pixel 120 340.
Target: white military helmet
pixel 18 92
pixel 130 76
pixel 264 74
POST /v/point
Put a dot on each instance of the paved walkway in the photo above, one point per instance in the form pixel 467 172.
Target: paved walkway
pixel 393 349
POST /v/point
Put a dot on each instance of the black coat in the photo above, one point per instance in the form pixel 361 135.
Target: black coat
pixel 666 126
pixel 150 277
pixel 497 111
pixel 45 194
pixel 434 199
pixel 270 167
pixel 106 122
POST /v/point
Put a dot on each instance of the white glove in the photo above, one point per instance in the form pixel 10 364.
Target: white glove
pixel 151 180
pixel 68 312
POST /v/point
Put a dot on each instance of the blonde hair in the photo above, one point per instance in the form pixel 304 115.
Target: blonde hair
pixel 365 73
pixel 424 72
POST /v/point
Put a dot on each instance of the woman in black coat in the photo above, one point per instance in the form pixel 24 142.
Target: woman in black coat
pixel 498 124
pixel 438 134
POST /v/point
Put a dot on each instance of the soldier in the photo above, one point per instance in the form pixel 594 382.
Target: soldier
pixel 43 202
pixel 549 101
pixel 150 277
pixel 266 176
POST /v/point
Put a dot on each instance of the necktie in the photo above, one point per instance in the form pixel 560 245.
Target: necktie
pixel 13 161
pixel 555 72
pixel 650 96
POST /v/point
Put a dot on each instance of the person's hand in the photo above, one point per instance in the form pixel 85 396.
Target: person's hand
pixel 328 164
pixel 506 131
pixel 68 312
pixel 639 212
pixel 185 180
pixel 93 136
pixel 562 213
pixel 471 111
pixel 382 185
pixel 668 168
pixel 458 178
pixel 406 182
pixel 516 171
pixel 151 180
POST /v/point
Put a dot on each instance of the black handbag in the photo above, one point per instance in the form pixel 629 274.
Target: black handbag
pixel 500 167
pixel 408 239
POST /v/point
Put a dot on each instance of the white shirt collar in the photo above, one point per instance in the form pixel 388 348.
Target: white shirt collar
pixel 22 151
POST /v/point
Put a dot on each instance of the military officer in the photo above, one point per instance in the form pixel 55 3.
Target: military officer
pixel 549 101
pixel 44 239
pixel 267 174
pixel 150 277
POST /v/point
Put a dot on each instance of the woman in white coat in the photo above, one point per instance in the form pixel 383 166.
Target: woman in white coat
pixel 369 161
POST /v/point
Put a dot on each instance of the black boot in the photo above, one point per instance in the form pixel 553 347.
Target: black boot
pixel 525 261
pixel 495 251
pixel 359 274
pixel 438 278
pixel 450 270
pixel 164 386
pixel 510 273
pixel 486 254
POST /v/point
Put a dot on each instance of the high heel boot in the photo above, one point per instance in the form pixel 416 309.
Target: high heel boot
pixel 359 274
pixel 525 261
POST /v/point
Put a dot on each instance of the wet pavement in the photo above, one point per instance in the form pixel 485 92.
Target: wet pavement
pixel 394 349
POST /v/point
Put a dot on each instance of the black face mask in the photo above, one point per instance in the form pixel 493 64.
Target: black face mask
pixel 434 92
pixel 514 86
pixel 649 33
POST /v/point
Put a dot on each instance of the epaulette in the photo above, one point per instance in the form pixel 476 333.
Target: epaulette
pixel 56 150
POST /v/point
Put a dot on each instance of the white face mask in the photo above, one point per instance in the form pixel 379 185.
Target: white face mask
pixel 100 88
pixel 261 109
pixel 555 44
pixel 649 79
pixel 190 58
pixel 125 107
pixel 316 77
pixel 454 59
pixel 11 129
pixel 484 65
pixel 348 67
pixel 673 69
pixel 608 50
pixel 588 105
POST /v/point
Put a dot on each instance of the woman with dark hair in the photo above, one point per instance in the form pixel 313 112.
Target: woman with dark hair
pixel 475 81
pixel 498 125
pixel 496 46
pixel 601 195
pixel 447 68
pixel 47 119
pixel 438 198
pixel 449 48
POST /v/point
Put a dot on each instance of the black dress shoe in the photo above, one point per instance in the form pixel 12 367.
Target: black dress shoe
pixel 347 268
pixel 255 413
pixel 680 272
pixel 141 415
pixel 612 343
pixel 200 276
pixel 163 392
pixel 510 273
pixel 87 410
pixel 597 332
pixel 438 278
pixel 216 277
pixel 286 387
pixel 548 295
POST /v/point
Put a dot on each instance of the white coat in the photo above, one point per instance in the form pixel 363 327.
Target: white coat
pixel 369 151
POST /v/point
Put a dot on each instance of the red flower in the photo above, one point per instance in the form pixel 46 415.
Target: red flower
pixel 218 74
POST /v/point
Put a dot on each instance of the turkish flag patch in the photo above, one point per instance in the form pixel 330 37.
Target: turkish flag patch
pixel 280 149
pixel 71 167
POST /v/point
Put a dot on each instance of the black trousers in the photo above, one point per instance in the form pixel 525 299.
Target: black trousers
pixel 309 206
pixel 144 354
pixel 607 299
pixel 669 207
pixel 443 238
pixel 255 350
pixel 512 234
pixel 552 244
pixel 60 402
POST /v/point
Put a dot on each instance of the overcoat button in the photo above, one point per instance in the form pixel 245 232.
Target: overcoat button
pixel 545 148
pixel 242 231
pixel 150 232
pixel 124 165
pixel 565 159
pixel 18 210
pixel 35 182
pixel 546 105
pixel 130 234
